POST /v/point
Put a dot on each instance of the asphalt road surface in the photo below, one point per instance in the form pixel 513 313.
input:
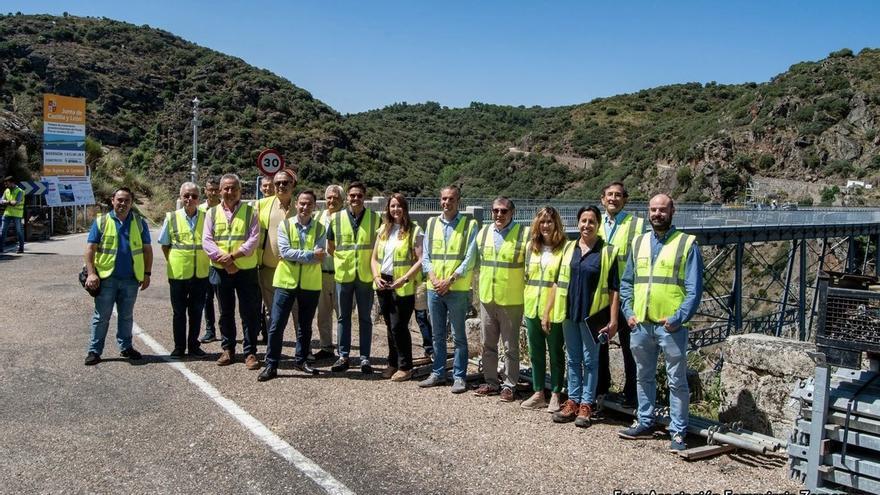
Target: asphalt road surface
pixel 162 427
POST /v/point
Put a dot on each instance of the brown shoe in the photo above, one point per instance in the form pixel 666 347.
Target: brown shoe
pixel 227 357
pixel 583 416
pixel 485 390
pixel 507 394
pixel 251 362
pixel 401 376
pixel 388 372
pixel 568 412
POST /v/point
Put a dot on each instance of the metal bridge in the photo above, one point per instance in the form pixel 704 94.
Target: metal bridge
pixel 761 265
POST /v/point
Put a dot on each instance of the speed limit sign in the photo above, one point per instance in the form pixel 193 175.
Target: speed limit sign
pixel 270 162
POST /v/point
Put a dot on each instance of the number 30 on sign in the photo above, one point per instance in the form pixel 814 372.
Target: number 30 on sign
pixel 270 162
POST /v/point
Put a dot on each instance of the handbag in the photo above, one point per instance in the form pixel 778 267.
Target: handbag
pixel 83 275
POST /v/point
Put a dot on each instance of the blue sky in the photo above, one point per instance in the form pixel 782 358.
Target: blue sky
pixel 362 55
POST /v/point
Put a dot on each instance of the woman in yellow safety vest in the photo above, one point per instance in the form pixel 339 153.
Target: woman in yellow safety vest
pixel 543 320
pixel 396 265
pixel 588 289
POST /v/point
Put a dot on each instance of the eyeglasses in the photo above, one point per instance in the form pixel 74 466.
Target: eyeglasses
pixel 191 196
pixel 355 195
pixel 500 211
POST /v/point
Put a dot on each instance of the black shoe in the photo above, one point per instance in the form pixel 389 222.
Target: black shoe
pixel 92 359
pixel 131 353
pixel 268 373
pixel 197 352
pixel 176 353
pixel 629 404
pixel 210 336
pixel 305 368
pixel 341 364
pixel 20 250
pixel 366 367
pixel 323 354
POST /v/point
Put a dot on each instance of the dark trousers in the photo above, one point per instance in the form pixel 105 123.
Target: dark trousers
pixel 307 304
pixel 242 284
pixel 397 310
pixel 423 320
pixel 187 303
pixel 210 319
pixel 629 363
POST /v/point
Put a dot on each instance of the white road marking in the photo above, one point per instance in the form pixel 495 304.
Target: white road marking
pixel 276 443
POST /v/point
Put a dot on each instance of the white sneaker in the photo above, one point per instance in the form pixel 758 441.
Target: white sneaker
pixel 554 405
pixel 536 401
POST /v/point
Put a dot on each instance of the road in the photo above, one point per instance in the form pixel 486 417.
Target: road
pixel 157 427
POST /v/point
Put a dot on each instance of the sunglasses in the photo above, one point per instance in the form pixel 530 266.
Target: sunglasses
pixel 191 196
pixel 284 183
pixel 355 195
pixel 500 211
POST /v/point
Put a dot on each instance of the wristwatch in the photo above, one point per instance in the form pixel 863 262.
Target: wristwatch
pixel 148 274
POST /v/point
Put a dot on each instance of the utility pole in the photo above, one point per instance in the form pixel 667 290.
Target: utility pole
pixel 193 173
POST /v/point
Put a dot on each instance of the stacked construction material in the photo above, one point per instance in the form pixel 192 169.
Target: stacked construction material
pixel 841 453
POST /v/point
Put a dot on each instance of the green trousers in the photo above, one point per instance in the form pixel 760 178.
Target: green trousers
pixel 539 346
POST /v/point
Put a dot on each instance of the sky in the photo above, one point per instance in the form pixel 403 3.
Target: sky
pixel 363 55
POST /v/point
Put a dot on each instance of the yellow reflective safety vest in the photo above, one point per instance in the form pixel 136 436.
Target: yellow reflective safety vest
pixel 186 258
pixel 105 257
pixel 264 208
pixel 353 250
pixel 627 229
pixel 292 275
pixel 502 272
pixel 658 286
pixel 447 255
pixel 229 237
pixel 403 259
pixel 17 211
pixel 539 281
pixel 601 297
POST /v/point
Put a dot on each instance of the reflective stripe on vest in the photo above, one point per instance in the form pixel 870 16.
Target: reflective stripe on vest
pixel 17 211
pixel 105 257
pixel 290 274
pixel 403 260
pixel 658 285
pixel 502 273
pixel 627 229
pixel 447 255
pixel 601 296
pixel 539 281
pixel 353 251
pixel 230 238
pixel 186 258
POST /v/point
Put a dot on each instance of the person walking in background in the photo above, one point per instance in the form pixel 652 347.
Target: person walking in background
pixel 397 267
pixel 544 318
pixel 587 287
pixel 502 250
pixel 350 241
pixel 119 260
pixel 212 199
pixel 327 303
pixel 619 228
pixel 661 290
pixel 232 231
pixel 13 200
pixel 187 269
pixel 448 258
pixel 297 279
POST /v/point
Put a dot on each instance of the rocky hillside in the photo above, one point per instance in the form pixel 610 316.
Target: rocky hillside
pixel 816 123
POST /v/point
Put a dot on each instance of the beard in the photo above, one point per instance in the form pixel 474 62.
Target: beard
pixel 661 224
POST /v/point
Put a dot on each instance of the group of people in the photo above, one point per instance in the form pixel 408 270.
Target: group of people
pixel 617 278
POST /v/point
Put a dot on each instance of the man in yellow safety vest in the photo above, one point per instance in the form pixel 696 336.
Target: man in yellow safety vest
pixel 661 290
pixel 212 199
pixel 13 199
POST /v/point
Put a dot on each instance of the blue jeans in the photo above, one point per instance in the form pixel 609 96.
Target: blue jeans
pixel 19 231
pixel 122 293
pixel 583 362
pixel 647 340
pixel 346 293
pixel 307 304
pixel 453 308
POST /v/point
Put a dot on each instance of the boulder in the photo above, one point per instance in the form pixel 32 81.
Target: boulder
pixel 758 376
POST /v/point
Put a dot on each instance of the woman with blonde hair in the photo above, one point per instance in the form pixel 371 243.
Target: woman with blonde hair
pixel 396 265
pixel 543 320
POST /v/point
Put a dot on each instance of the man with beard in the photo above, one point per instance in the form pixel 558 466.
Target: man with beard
pixel 212 199
pixel 661 290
